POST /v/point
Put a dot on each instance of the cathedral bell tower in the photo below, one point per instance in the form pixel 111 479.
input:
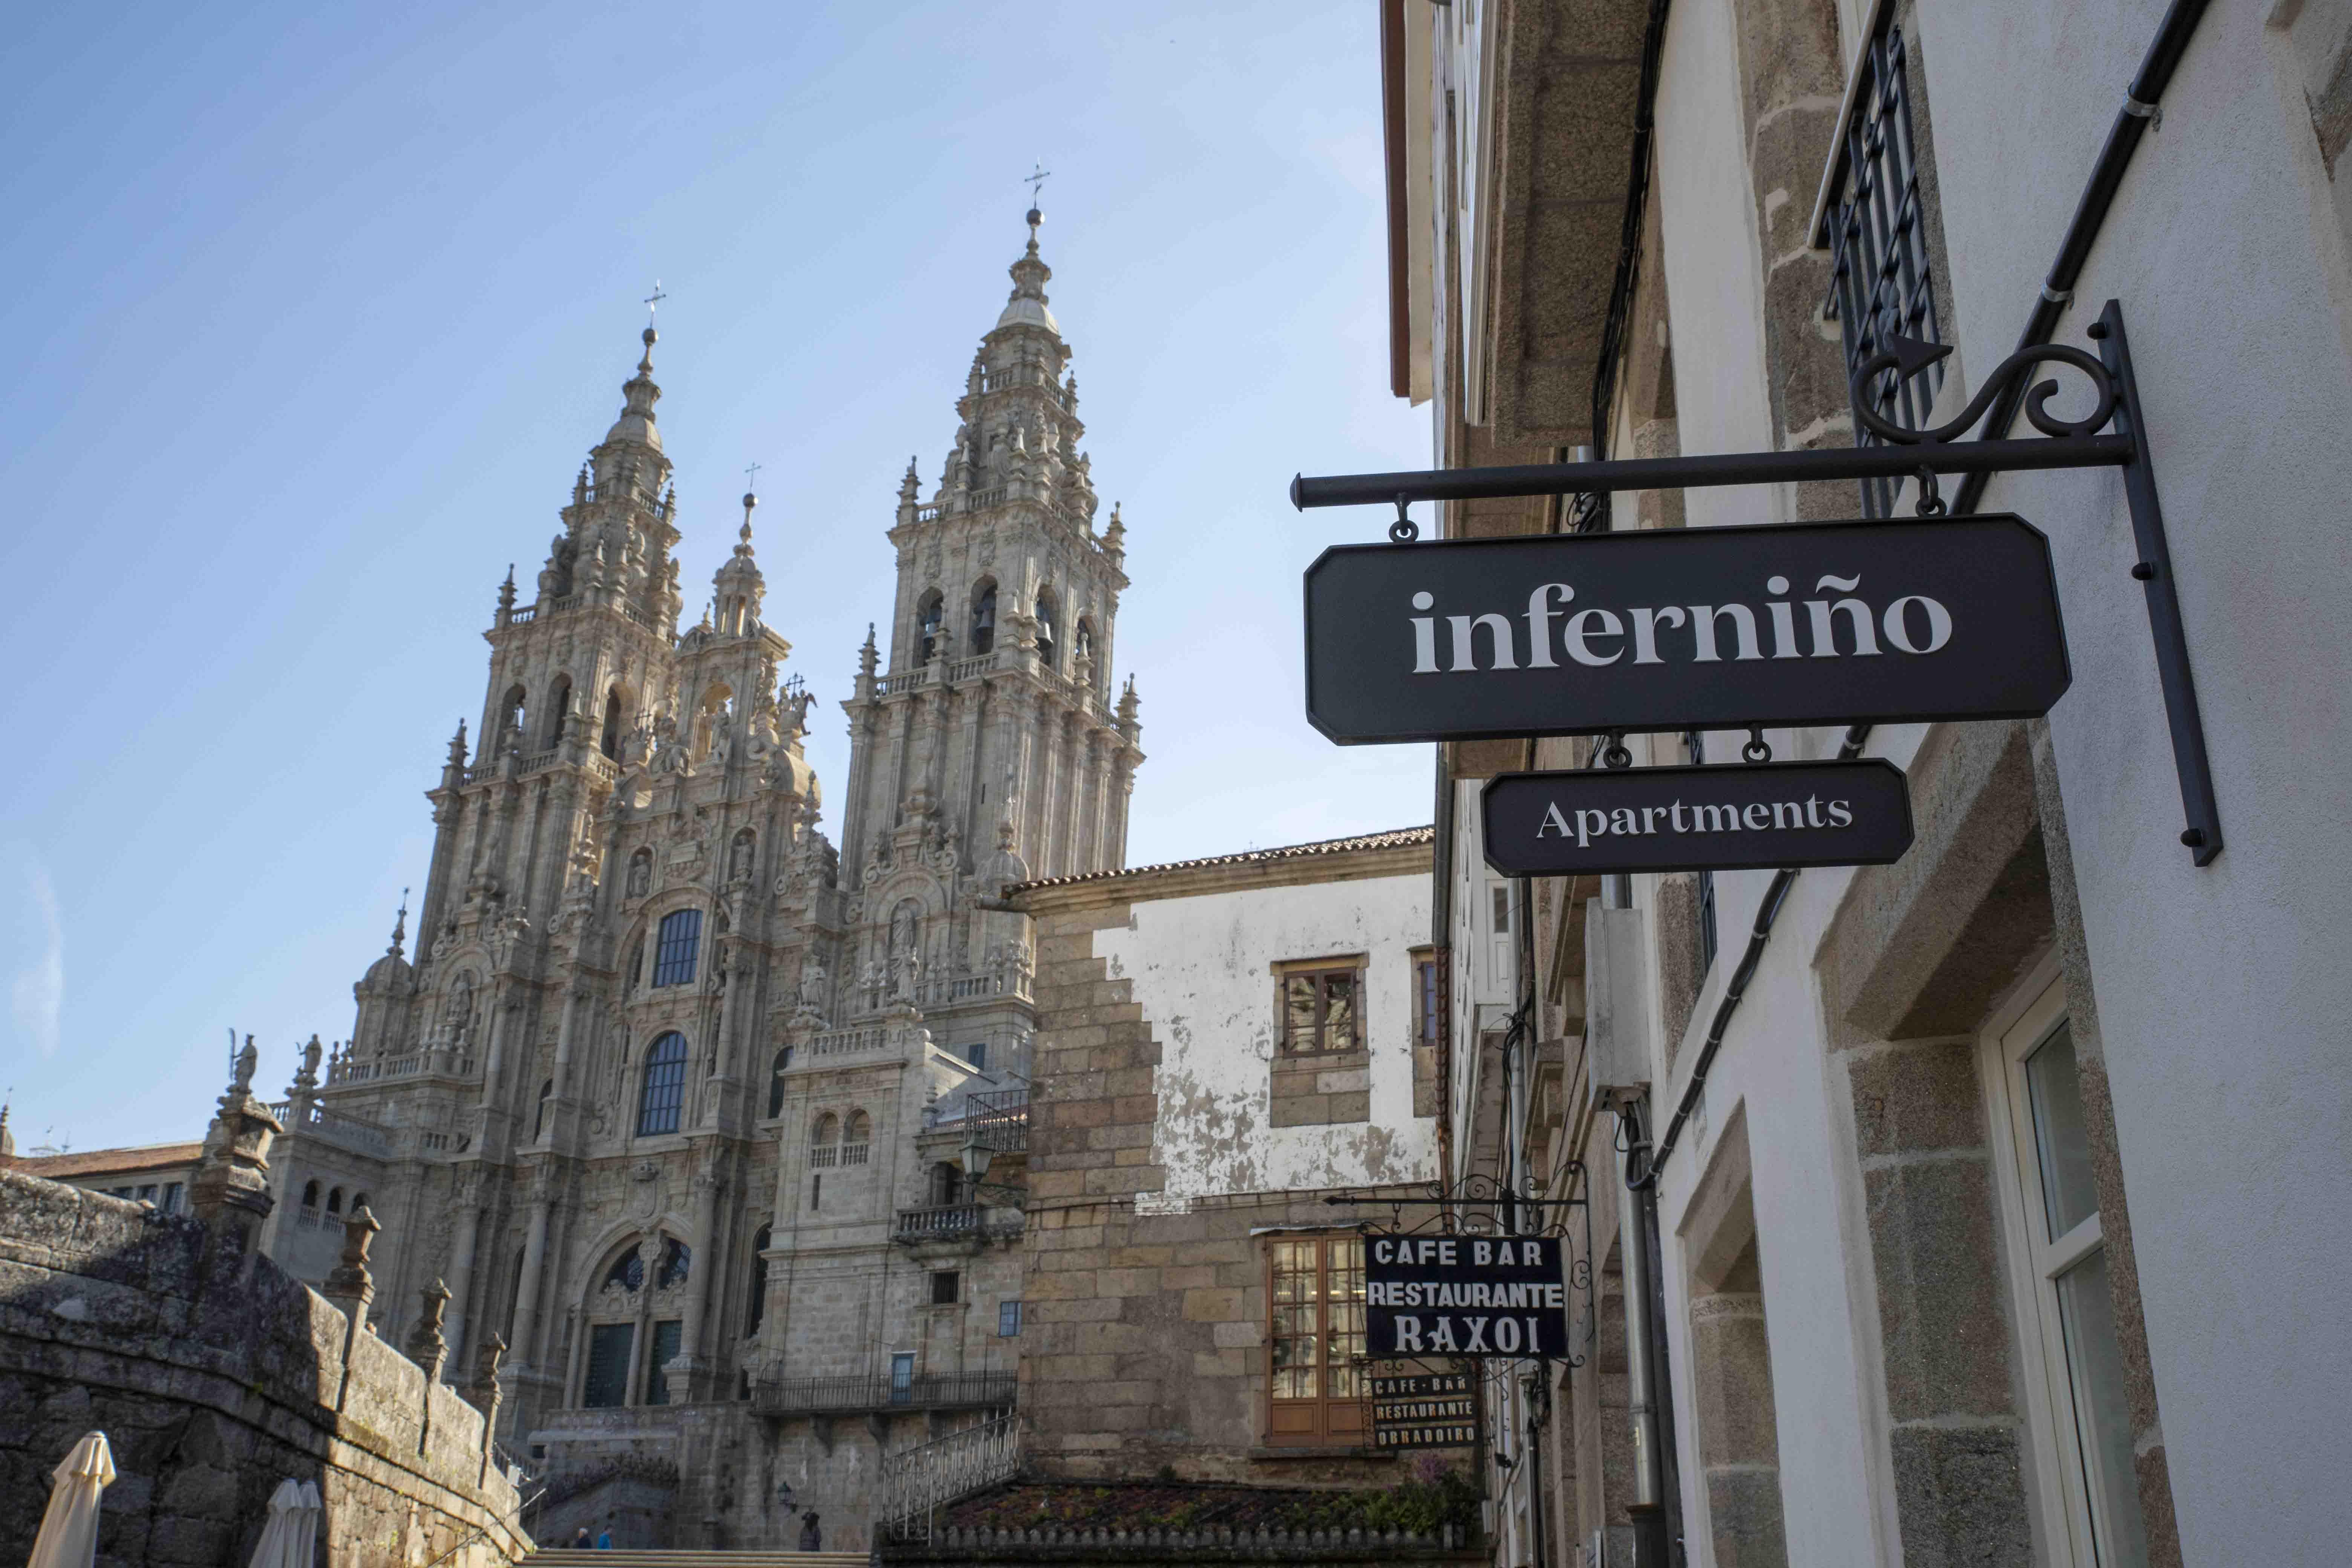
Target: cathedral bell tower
pixel 990 748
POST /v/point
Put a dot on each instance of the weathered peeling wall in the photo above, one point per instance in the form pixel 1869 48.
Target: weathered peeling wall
pixel 1201 968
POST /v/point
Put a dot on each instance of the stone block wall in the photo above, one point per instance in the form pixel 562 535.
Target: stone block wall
pixel 214 1376
pixel 1145 1333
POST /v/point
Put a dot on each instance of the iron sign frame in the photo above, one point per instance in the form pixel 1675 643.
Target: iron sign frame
pixel 1922 454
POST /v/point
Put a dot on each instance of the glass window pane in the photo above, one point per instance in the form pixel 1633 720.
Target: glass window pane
pixel 667 1336
pixel 2061 1143
pixel 2095 1367
pixel 608 1364
pixel 673 951
pixel 1298 1013
pixel 1340 1012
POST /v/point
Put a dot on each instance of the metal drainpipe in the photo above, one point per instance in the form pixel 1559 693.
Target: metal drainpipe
pixel 1634 1262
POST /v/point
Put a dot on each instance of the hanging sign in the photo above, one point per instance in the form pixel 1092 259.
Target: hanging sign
pixel 1705 628
pixel 1736 816
pixel 1464 1295
pixel 1427 1410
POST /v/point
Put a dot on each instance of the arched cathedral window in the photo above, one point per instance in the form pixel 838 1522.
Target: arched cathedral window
pixel 627 1273
pixel 611 743
pixel 857 1138
pixel 559 702
pixel 1045 628
pixel 675 948
pixel 984 621
pixel 1084 646
pixel 929 617
pixel 757 1307
pixel 677 1263
pixel 310 1195
pixel 510 715
pixel 663 1099
pixel 776 1081
pixel 359 1202
pixel 335 1201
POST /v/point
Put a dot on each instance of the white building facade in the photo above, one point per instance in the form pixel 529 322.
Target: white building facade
pixel 1996 1213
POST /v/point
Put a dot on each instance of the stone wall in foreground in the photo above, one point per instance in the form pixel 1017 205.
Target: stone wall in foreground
pixel 215 1377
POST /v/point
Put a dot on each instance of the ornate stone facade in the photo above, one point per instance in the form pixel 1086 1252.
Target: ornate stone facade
pixel 674 1094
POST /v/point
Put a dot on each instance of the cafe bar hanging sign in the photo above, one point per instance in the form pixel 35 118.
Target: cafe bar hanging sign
pixel 1424 1410
pixel 1742 816
pixel 1684 629
pixel 1447 1295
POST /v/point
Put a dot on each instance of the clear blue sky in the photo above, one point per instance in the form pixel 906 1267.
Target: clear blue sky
pixel 315 311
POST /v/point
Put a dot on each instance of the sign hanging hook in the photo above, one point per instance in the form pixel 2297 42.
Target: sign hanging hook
pixel 1403 531
pixel 1759 749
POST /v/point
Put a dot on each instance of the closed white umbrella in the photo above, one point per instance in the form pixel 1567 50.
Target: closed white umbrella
pixel 69 1537
pixel 290 1539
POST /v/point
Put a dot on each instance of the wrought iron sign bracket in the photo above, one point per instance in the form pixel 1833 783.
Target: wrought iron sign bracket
pixel 1907 454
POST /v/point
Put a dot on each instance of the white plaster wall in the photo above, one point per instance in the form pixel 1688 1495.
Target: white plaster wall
pixel 2223 993
pixel 1714 265
pixel 1201 968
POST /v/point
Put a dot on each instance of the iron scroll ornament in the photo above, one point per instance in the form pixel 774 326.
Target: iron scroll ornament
pixel 1906 357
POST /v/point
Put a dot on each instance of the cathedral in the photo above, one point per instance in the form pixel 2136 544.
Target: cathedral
pixel 682 1104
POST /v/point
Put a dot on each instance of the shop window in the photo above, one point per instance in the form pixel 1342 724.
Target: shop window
pixel 2085 1415
pixel 1314 1331
pixel 673 951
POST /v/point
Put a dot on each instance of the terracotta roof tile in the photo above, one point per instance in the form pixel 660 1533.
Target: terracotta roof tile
pixel 96 1162
pixel 1395 838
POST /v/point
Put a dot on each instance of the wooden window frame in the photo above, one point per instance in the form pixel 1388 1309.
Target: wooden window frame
pixel 1331 1418
pixel 1353 967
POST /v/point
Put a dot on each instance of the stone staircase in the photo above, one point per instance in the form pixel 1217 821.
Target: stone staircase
pixel 631 1557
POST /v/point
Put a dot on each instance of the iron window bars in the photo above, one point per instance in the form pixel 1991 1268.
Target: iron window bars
pixel 1881 285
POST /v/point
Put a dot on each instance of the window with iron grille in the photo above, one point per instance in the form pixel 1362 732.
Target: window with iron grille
pixel 947 1286
pixel 681 935
pixel 1319 1008
pixel 664 1096
pixel 1881 280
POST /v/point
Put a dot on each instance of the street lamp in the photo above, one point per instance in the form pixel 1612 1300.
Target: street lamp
pixel 977 1153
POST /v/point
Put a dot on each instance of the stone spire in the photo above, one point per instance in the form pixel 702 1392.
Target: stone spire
pixel 738 587
pixel 1030 274
pixel 8 1138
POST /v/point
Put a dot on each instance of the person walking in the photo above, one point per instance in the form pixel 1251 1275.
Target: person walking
pixel 812 1537
pixel 604 1539
pixel 580 1542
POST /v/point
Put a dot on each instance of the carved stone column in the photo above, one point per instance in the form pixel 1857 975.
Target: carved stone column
pixel 689 1374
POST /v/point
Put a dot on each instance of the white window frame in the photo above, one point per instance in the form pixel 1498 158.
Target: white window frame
pixel 2060 1455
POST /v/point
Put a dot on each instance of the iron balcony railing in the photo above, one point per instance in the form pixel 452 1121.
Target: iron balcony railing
pixel 861 1391
pixel 916 1484
pixel 1001 1117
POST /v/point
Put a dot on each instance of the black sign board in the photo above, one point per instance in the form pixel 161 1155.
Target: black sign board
pixel 1464 1296
pixel 1429 1410
pixel 1732 818
pixel 1684 629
